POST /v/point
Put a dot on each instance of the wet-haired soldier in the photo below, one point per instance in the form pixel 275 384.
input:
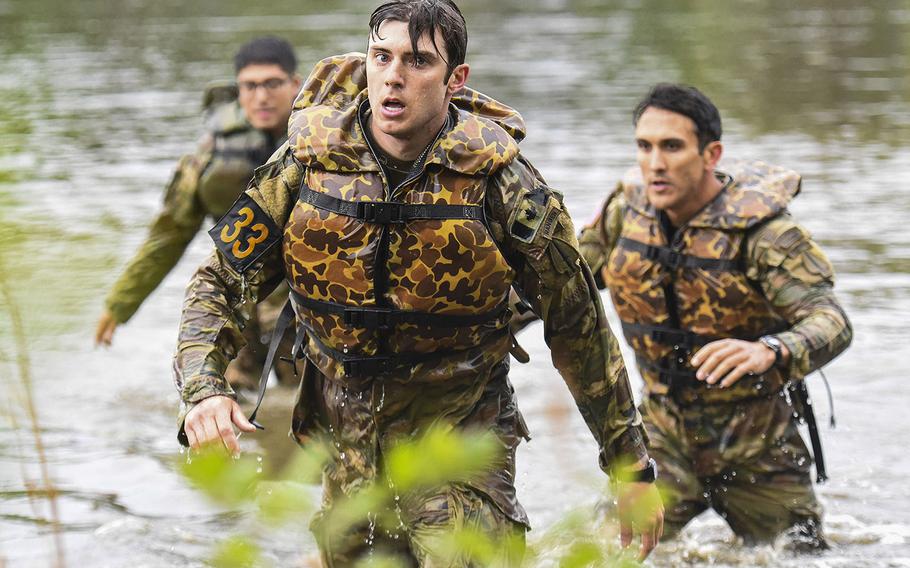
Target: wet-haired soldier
pixel 244 123
pixel 726 301
pixel 400 215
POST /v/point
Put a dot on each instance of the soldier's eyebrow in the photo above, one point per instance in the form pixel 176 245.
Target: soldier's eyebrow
pixel 427 56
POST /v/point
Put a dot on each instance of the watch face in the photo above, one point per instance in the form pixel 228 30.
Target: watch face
pixel 772 342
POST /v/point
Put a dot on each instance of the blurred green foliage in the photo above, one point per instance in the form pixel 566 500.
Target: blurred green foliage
pixel 442 456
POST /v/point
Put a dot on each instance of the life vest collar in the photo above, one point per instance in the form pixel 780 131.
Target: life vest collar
pixel 757 192
pixel 331 139
pixel 325 133
pixel 226 118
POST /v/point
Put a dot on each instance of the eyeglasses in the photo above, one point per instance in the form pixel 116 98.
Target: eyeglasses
pixel 270 85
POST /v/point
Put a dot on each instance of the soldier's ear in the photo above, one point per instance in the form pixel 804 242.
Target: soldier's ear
pixel 712 153
pixel 458 78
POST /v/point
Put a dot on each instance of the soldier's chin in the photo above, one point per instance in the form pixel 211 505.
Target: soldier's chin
pixel 263 124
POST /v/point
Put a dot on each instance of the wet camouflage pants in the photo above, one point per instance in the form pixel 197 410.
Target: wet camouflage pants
pixel 424 521
pixel 746 460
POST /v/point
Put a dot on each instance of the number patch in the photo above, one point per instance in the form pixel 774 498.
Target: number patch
pixel 244 233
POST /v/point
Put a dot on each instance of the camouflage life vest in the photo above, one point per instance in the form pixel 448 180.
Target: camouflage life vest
pixel 675 297
pixel 236 149
pixel 387 280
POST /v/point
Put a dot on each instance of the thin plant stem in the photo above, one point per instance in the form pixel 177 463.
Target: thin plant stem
pixel 24 365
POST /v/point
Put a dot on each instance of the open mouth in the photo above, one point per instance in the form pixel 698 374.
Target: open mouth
pixel 392 107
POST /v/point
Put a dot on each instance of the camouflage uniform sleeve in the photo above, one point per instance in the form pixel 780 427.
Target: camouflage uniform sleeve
pixel 536 234
pixel 596 241
pixel 220 299
pixel 798 280
pixel 169 234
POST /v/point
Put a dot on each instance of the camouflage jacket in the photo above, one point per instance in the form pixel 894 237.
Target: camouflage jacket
pixel 205 183
pixel 544 256
pixel 779 259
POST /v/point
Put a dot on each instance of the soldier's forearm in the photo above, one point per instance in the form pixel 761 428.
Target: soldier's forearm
pixel 818 337
pixel 217 306
pixel 156 257
pixel 588 357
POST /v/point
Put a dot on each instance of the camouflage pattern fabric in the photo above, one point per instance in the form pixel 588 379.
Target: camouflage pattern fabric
pixel 546 266
pixel 204 184
pixel 488 503
pixel 437 266
pixel 700 435
pixel 744 459
pixel 428 521
pixel 781 264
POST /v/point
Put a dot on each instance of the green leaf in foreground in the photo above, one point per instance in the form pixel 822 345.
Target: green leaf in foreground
pixel 441 456
pixel 221 478
pixel 236 552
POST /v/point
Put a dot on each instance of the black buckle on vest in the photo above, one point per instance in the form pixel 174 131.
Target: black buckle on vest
pixel 666 256
pixel 375 318
pixel 367 366
pixel 381 212
pixel 673 259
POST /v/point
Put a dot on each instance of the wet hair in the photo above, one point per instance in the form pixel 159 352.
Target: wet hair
pixel 425 17
pixel 687 101
pixel 266 50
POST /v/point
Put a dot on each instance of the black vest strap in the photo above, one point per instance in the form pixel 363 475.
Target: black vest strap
pixel 801 392
pixel 667 335
pixel 281 325
pixel 385 318
pixel 386 212
pixel 377 365
pixel 673 259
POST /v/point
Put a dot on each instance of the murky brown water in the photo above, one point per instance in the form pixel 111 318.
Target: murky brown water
pixel 98 99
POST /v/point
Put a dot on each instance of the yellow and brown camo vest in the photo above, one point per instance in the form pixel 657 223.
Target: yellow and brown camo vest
pixel 234 147
pixel 674 297
pixel 400 282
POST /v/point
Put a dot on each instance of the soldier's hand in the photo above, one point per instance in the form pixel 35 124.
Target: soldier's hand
pixel 212 421
pixel 728 360
pixel 104 332
pixel 640 511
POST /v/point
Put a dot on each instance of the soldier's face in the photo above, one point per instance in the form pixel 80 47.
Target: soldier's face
pixel 409 92
pixel 267 94
pixel 675 172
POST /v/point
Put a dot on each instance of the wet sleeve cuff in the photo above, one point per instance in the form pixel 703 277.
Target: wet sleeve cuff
pixel 629 448
pixel 799 365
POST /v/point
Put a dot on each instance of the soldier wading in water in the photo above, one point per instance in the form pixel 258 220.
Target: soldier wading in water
pixel 400 214
pixel 244 123
pixel 728 304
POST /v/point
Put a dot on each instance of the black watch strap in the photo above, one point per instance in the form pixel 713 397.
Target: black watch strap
pixel 646 475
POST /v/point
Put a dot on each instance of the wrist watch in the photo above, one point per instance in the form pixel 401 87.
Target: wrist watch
pixel 774 345
pixel 646 475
